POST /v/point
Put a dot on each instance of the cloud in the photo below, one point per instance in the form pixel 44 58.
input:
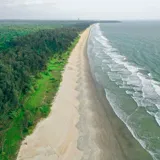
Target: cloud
pixel 39 2
pixel 84 9
pixel 26 2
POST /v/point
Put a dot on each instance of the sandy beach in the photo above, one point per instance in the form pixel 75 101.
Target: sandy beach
pixel 56 137
pixel 79 127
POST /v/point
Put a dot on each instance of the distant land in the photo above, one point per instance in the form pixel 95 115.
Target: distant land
pixel 55 21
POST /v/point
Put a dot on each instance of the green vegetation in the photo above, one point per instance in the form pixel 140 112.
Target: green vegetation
pixel 30 74
pixel 9 32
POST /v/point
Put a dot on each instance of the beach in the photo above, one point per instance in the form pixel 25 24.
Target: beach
pixel 82 124
pixel 56 137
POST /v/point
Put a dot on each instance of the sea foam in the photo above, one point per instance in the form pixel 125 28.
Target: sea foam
pixel 144 90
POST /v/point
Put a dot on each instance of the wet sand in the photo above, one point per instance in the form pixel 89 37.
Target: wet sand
pixel 82 124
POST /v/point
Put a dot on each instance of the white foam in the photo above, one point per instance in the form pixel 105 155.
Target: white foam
pixel 158 106
pixel 156 86
pixel 129 74
pixel 157 117
pixel 129 92
pixel 142 88
pixel 123 117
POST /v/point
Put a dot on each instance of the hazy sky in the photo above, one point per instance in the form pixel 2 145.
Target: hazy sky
pixel 83 9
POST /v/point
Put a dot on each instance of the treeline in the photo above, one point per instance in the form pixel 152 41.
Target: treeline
pixel 11 30
pixel 25 57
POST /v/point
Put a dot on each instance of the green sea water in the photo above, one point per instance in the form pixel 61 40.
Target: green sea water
pixel 125 61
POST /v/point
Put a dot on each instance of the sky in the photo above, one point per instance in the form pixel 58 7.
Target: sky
pixel 82 9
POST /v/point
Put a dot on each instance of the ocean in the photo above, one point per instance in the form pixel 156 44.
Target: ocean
pixel 125 61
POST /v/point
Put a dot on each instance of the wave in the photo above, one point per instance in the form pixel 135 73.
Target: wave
pixel 141 87
pixel 146 91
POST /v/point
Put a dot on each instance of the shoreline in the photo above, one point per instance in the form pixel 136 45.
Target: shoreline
pixel 82 125
pixel 114 131
pixel 108 136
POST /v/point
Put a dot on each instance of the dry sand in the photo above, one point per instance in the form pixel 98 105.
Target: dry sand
pixel 79 127
pixel 56 137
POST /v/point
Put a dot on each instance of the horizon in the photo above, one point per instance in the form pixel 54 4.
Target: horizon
pixel 110 20
pixel 82 9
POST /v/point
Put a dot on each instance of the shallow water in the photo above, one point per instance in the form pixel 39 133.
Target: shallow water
pixel 125 60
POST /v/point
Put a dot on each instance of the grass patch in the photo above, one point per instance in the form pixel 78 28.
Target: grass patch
pixel 36 105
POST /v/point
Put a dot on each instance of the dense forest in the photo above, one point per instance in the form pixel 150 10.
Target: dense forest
pixel 27 56
pixel 22 58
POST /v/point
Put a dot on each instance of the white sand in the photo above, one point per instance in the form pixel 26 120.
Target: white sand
pixel 55 138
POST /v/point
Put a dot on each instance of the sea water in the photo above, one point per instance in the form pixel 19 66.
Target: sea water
pixel 125 61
